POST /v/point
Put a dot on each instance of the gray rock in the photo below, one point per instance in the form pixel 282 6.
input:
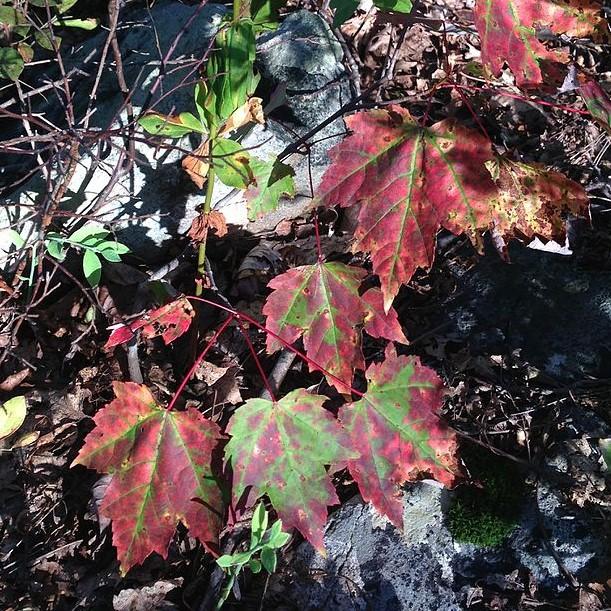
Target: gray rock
pixel 156 202
pixel 557 314
pixel 371 565
pixel 575 533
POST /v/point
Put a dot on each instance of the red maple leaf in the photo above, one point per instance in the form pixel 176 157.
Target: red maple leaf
pixel 410 181
pixel 508 32
pixel 170 321
pixel 398 433
pixel 160 461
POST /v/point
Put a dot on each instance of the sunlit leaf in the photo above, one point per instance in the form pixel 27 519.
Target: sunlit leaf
pixel 398 433
pixel 508 32
pixel 161 463
pixel 12 416
pixel 169 321
pixel 281 449
pixel 321 303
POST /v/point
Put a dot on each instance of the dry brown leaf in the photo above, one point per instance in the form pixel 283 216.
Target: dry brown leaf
pixel 250 112
pixel 201 224
pixel 11 382
pixel 196 164
pixel 223 381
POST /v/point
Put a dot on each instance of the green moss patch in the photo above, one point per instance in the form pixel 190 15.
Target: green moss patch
pixel 485 514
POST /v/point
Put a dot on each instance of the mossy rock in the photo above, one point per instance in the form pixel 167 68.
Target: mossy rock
pixel 485 514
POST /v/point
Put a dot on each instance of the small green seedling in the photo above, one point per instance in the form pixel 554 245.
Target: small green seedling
pixel 222 104
pixel 91 238
pixel 260 554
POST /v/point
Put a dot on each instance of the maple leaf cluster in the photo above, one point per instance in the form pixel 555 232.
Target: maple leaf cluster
pixel 162 461
pixel 408 181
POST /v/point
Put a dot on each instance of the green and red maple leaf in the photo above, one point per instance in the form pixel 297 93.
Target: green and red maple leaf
pixel 281 449
pixel 396 428
pixel 411 181
pixel 321 302
pixel 392 435
pixel 161 466
pixel 508 32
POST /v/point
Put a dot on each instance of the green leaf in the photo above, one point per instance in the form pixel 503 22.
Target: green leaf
pixel 11 63
pixel 16 20
pixel 165 125
pixel 46 39
pixel 605 449
pixel 9 16
pixel 55 246
pixel 272 180
pixel 254 565
pixel 89 234
pixel 258 525
pixel 12 415
pixel 44 3
pixel 230 71
pixel 112 251
pixel 274 531
pixel 278 539
pixel 66 5
pixel 14 238
pixel 191 121
pixel 264 13
pixel 111 256
pixel 282 449
pixel 116 246
pixel 200 94
pixel 225 561
pixel 80 24
pixel 344 9
pixel 231 163
pixel 268 559
pixel 241 558
pixel 92 268
pixel 398 6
